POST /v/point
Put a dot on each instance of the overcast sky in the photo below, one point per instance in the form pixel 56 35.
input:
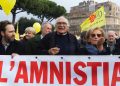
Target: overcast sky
pixel 70 3
pixel 66 3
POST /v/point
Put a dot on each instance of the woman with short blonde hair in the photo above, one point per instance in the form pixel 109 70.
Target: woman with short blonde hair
pixel 95 39
pixel 89 32
pixel 29 33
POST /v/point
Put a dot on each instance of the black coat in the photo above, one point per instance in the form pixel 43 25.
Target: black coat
pixel 31 45
pixel 67 43
pixel 117 47
pixel 14 47
pixel 116 50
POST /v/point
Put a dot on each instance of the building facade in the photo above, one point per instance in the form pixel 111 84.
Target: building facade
pixel 81 12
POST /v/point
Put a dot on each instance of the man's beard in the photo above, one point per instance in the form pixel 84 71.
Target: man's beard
pixel 9 39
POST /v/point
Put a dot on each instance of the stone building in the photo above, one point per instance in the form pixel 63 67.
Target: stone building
pixel 81 12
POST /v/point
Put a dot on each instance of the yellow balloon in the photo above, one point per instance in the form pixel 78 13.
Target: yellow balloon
pixel 7 5
pixel 37 27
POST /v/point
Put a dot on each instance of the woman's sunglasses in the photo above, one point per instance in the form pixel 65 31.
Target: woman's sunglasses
pixel 94 35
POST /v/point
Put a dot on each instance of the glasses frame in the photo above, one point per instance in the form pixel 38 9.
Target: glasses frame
pixel 94 35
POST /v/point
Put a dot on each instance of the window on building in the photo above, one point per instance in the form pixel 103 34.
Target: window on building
pixel 110 8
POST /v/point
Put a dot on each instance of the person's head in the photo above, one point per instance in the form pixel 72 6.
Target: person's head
pixel 7 31
pixel 83 35
pixel 94 35
pixel 111 36
pixel 62 25
pixel 29 33
pixel 22 37
pixel 46 28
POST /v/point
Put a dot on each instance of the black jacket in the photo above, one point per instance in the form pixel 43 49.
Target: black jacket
pixel 14 47
pixel 67 43
pixel 116 50
pixel 31 45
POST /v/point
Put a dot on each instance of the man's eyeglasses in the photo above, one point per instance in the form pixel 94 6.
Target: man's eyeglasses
pixel 94 35
pixel 63 23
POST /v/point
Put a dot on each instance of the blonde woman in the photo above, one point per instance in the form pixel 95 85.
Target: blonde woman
pixel 95 39
pixel 29 33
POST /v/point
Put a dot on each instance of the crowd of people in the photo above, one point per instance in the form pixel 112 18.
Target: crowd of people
pixel 58 42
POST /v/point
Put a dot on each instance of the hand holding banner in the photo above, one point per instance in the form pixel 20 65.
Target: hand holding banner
pixel 54 71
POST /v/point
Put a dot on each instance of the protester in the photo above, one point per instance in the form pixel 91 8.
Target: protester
pixel 60 42
pixel 22 36
pixel 34 42
pixel 117 48
pixel 8 44
pixel 46 28
pixel 29 33
pixel 82 40
pixel 111 41
pixel 95 39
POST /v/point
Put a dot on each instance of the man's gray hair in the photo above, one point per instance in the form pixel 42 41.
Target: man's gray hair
pixel 44 24
pixel 62 17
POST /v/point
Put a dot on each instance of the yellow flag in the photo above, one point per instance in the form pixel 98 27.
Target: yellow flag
pixel 17 33
pixel 96 19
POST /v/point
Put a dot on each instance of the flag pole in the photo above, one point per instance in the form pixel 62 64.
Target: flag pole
pixel 17 33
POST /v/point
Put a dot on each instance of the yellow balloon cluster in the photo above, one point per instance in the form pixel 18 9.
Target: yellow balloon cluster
pixel 37 27
pixel 7 5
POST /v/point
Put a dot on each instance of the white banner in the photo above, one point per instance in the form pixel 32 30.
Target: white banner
pixel 60 71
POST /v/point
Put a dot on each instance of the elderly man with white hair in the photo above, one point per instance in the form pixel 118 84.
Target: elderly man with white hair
pixel 111 36
pixel 111 41
pixel 60 42
pixel 33 43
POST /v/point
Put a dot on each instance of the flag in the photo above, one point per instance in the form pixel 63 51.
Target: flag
pixel 96 19
pixel 17 33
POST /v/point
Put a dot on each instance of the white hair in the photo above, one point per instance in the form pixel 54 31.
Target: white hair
pixel 112 32
pixel 62 17
pixel 31 29
pixel 44 24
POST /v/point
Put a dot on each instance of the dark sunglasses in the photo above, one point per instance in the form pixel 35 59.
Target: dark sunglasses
pixel 98 35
